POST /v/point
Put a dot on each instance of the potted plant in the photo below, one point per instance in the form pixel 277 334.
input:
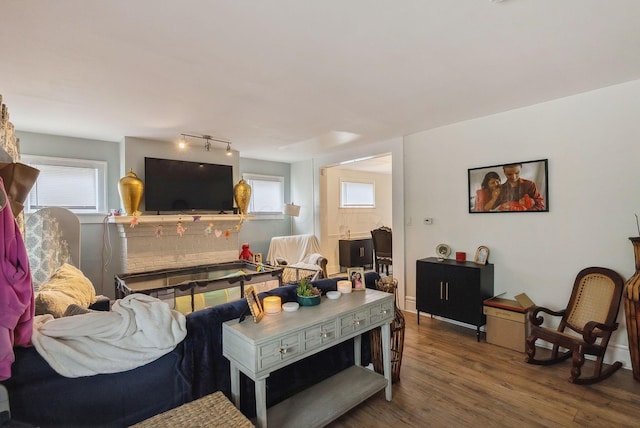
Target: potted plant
pixel 308 295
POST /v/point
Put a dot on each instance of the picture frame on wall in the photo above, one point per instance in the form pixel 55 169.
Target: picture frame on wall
pixel 356 276
pixel 521 186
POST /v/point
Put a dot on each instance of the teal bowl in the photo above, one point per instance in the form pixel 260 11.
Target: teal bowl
pixel 309 300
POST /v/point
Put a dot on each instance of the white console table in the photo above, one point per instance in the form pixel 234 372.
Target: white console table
pixel 280 340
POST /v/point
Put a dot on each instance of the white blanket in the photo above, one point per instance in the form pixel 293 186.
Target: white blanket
pixel 138 329
pixel 292 248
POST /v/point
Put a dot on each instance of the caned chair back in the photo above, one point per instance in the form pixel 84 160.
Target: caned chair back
pixel 595 297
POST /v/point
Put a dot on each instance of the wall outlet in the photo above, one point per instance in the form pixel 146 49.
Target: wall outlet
pixel 428 220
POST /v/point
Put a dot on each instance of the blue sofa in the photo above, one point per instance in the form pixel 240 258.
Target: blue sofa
pixel 196 367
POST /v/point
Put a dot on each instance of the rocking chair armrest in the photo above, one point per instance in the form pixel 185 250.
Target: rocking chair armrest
pixel 537 320
pixel 593 330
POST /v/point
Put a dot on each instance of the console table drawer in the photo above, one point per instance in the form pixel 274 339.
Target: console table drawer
pixel 381 312
pixel 274 352
pixel 319 335
pixel 355 321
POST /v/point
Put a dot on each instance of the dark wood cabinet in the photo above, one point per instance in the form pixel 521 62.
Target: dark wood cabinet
pixel 355 252
pixel 454 290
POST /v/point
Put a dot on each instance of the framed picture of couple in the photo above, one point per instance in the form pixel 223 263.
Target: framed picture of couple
pixel 356 276
pixel 509 187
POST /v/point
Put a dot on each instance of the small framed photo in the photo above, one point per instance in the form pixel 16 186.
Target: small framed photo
pixel 257 258
pixel 356 276
pixel 482 255
pixel 254 303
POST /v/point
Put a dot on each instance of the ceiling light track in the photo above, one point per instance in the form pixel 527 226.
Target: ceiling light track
pixel 207 142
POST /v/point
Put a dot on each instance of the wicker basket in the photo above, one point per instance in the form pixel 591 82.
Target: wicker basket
pixel 213 410
pixel 389 285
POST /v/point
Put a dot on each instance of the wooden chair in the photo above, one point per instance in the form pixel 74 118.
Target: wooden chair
pixel 381 238
pixel 585 327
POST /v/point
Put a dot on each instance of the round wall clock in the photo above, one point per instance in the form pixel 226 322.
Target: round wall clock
pixel 443 251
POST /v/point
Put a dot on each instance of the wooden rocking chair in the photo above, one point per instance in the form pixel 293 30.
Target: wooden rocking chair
pixel 585 327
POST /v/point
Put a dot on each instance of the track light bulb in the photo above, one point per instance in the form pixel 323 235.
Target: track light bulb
pixel 229 149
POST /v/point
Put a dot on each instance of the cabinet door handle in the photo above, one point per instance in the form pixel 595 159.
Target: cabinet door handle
pixel 361 251
pixel 447 291
pixel 440 290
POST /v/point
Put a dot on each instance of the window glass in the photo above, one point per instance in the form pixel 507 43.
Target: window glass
pixel 357 194
pixel 76 184
pixel 267 194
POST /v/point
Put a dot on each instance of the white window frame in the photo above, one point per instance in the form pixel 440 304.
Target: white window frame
pixel 266 215
pixel 344 193
pixel 100 168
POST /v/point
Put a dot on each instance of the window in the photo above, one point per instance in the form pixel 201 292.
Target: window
pixel 76 184
pixel 267 195
pixel 354 194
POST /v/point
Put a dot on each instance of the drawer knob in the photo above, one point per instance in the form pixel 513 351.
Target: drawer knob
pixel 385 311
pixel 282 350
pixel 357 322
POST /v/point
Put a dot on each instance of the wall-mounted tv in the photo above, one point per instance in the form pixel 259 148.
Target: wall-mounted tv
pixel 174 185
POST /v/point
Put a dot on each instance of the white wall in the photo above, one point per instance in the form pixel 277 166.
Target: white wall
pixel 302 185
pixel 592 143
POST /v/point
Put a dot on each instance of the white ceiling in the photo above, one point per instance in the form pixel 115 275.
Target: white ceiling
pixel 289 79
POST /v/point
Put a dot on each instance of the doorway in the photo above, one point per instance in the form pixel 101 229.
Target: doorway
pixel 353 222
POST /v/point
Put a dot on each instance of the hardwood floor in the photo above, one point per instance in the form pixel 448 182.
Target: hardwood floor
pixel 448 379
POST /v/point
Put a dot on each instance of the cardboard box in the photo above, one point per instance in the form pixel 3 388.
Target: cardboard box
pixel 507 323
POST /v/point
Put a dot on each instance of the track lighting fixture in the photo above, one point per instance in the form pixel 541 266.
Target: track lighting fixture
pixel 207 142
pixel 183 143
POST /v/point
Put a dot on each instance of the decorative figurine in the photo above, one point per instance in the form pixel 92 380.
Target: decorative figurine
pixel 245 253
pixel 180 229
pixel 209 229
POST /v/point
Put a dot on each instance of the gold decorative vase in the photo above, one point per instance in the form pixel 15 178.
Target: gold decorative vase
pixel 131 189
pixel 631 299
pixel 242 196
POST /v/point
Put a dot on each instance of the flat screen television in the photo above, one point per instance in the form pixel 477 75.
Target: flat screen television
pixel 174 185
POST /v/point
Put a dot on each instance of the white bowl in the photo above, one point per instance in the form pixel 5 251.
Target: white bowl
pixel 333 294
pixel 290 306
